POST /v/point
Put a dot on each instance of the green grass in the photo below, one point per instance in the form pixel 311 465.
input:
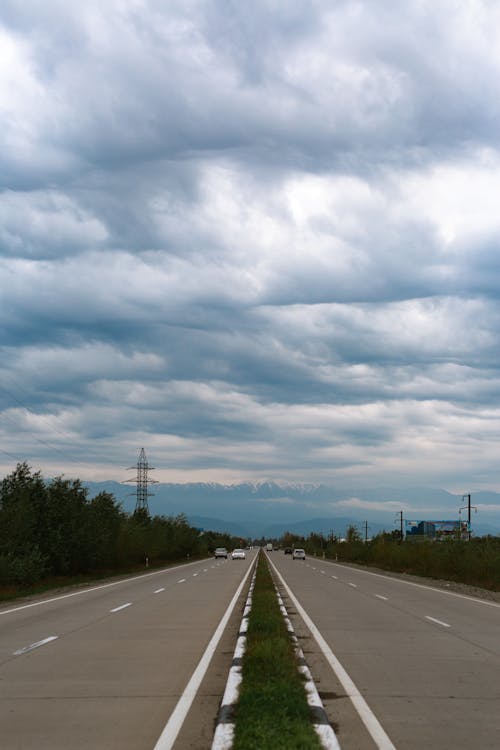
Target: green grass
pixel 272 710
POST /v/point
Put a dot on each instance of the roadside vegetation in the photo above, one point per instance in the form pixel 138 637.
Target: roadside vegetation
pixel 475 562
pixel 52 534
pixel 272 711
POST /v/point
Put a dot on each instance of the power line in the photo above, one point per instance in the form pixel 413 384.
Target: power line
pixel 45 443
pixel 16 458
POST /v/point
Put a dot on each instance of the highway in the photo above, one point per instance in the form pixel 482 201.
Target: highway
pixel 104 666
pixel 425 661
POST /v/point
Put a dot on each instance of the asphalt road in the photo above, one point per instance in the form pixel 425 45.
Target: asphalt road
pixel 104 667
pixel 426 661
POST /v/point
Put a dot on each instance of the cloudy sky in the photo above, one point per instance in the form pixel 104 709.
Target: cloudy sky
pixel 259 240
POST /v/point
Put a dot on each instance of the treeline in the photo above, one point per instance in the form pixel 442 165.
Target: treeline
pixel 52 529
pixel 475 562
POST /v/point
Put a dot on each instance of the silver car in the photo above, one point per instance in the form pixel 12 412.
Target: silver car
pixel 238 554
pixel 298 554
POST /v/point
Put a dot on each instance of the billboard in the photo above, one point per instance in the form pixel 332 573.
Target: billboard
pixel 436 529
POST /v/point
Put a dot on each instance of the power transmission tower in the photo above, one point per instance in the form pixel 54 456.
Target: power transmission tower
pixel 142 481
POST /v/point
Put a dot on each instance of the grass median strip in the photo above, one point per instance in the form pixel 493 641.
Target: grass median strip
pixel 272 710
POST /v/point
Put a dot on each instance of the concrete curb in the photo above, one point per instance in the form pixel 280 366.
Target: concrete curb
pixel 224 731
pixel 321 722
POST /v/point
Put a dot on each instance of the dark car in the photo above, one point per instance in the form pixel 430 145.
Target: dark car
pixel 288 550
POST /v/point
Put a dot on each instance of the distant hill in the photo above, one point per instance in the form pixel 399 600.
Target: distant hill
pixel 270 508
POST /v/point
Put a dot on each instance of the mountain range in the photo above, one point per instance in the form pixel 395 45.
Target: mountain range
pixel 268 509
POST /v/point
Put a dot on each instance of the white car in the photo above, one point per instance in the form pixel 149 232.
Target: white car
pixel 238 554
pixel 298 554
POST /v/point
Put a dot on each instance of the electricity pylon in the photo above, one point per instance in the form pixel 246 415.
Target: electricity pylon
pixel 142 481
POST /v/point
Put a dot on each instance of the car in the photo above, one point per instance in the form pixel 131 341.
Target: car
pixel 220 552
pixel 298 554
pixel 288 550
pixel 238 554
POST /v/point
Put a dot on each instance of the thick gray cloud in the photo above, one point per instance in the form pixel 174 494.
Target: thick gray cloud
pixel 261 242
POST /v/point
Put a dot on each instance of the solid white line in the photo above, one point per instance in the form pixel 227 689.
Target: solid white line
pixel 379 596
pixel 32 646
pixel 419 585
pixel 122 606
pixel 95 588
pixel 176 720
pixel 224 732
pixel 367 716
pixel 325 733
pixel 439 622
pixel 158 591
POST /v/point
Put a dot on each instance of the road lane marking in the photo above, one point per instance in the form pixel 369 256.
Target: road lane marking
pixel 183 580
pixel 439 622
pixel 158 591
pixel 323 572
pixel 379 596
pixel 205 570
pixel 178 715
pixel 32 646
pixel 419 585
pixel 354 585
pixel 367 716
pixel 94 588
pixel 122 606
pixel 194 575
pixel 336 578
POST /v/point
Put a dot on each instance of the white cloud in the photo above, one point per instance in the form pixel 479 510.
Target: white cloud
pixel 267 239
pixel 390 506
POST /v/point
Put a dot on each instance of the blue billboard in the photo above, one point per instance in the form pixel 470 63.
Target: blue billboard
pixel 436 529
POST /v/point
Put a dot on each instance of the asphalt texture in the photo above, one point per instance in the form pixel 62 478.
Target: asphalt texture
pixel 119 658
pixel 425 659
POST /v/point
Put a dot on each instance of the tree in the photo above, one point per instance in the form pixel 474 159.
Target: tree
pixel 353 534
pixel 23 527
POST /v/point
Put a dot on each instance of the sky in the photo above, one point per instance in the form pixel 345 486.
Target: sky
pixel 259 240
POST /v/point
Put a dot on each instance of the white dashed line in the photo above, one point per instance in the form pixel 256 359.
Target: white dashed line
pixel 176 720
pixel 32 646
pixel 382 741
pixel 158 591
pixel 336 578
pixel 194 575
pixel 183 580
pixel 354 585
pixel 379 596
pixel 438 622
pixel 94 588
pixel 122 606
